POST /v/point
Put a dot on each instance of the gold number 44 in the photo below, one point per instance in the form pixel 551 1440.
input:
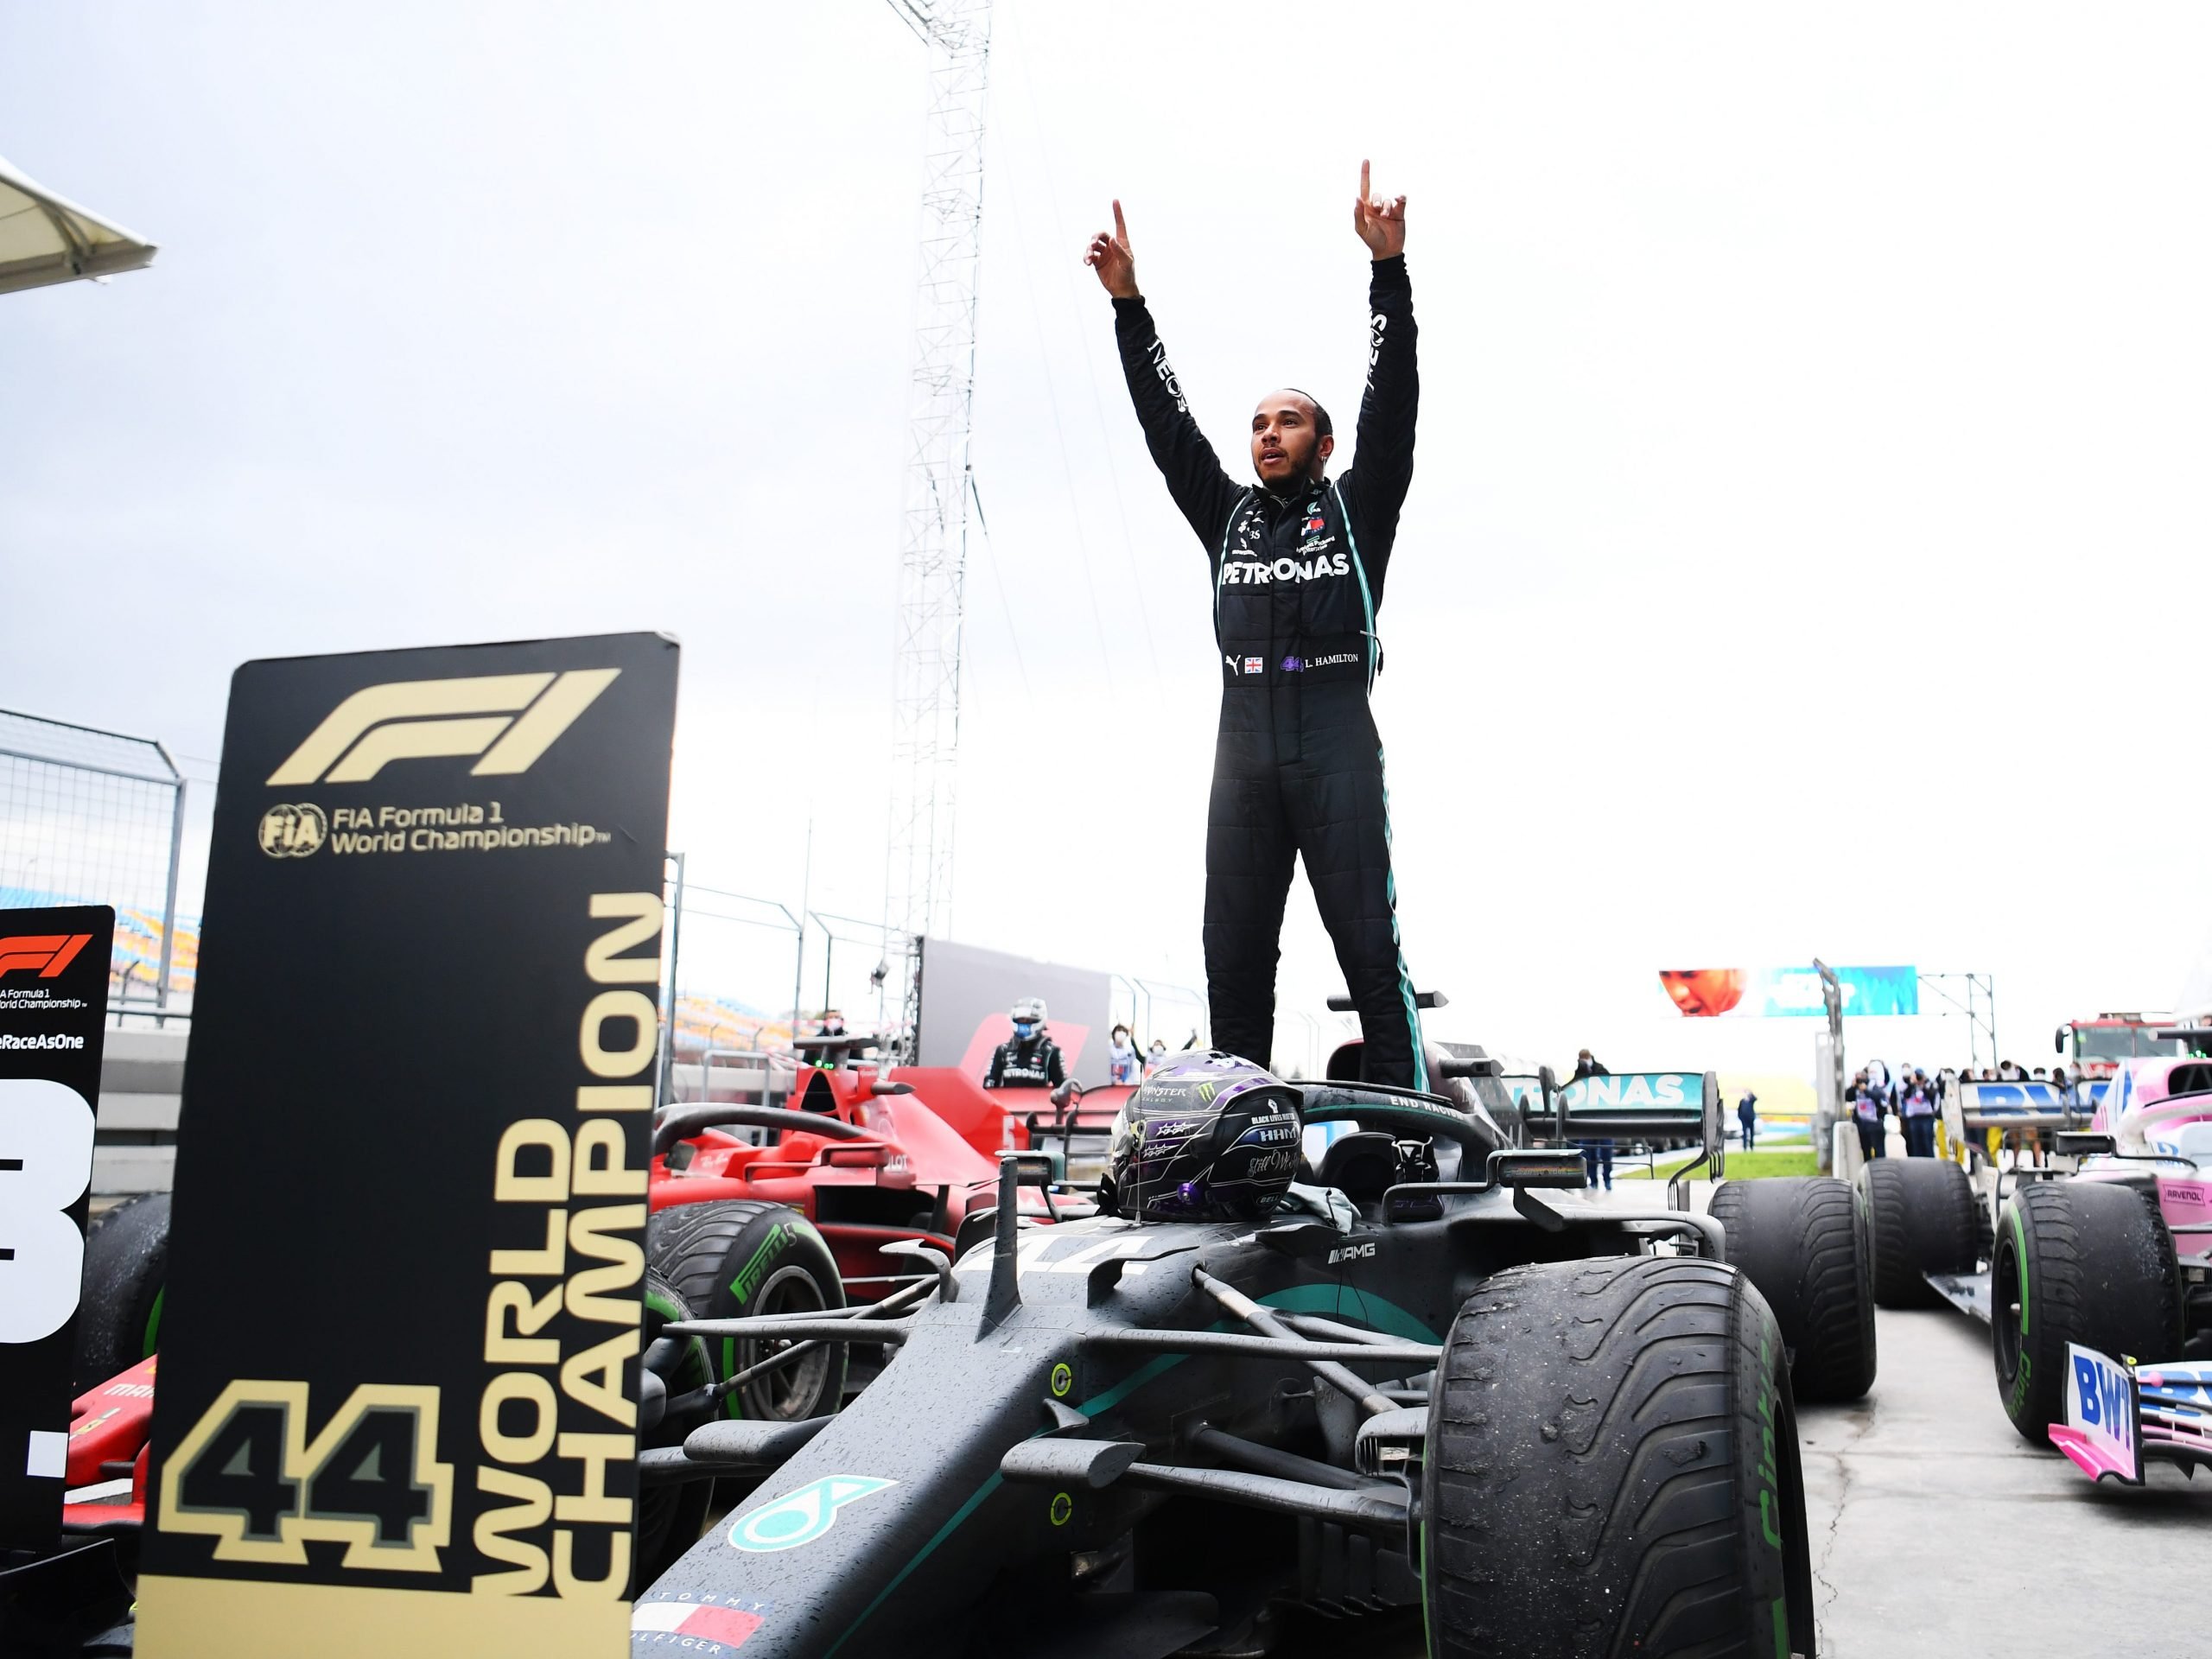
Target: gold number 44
pixel 248 1476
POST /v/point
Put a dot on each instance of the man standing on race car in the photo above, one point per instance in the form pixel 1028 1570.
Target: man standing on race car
pixel 1032 1060
pixel 1298 566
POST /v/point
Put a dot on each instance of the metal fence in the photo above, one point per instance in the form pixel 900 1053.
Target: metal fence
pixel 744 975
pixel 96 817
pixel 1177 1015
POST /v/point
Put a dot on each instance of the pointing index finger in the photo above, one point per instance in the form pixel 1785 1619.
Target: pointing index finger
pixel 1121 230
pixel 1364 194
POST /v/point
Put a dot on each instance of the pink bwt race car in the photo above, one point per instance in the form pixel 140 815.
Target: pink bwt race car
pixel 2152 1140
pixel 2120 1416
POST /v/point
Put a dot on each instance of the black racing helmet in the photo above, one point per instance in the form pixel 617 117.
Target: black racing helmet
pixel 1208 1138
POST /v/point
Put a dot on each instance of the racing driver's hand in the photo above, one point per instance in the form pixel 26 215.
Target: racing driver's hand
pixel 1117 266
pixel 1381 225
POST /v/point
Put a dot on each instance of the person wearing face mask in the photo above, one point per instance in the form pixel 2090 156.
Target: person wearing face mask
pixel 832 1024
pixel 1031 1060
pixel 1156 1056
pixel 1121 1059
pixel 1297 561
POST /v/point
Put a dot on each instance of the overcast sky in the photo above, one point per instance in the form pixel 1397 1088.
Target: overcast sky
pixel 1802 556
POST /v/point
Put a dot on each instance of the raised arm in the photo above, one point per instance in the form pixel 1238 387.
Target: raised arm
pixel 1384 465
pixel 1185 459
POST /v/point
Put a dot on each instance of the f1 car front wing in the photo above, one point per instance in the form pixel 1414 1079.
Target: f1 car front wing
pixel 2120 1416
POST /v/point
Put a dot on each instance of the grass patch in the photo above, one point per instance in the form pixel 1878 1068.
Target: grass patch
pixel 1741 1165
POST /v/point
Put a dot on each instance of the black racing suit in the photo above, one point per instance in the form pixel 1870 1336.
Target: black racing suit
pixel 1035 1064
pixel 1298 765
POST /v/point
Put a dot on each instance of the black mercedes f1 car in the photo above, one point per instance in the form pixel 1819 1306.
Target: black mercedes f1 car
pixel 1489 1412
pixel 1430 1396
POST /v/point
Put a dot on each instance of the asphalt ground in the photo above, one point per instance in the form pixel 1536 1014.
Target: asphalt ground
pixel 1938 1531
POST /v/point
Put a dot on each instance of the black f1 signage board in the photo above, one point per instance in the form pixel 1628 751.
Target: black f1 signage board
pixel 52 1008
pixel 396 1413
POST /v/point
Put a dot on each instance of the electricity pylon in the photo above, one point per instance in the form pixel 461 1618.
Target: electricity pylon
pixel 933 537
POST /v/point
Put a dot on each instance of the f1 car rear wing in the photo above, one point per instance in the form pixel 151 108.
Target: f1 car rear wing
pixel 1971 1108
pixel 1646 1105
pixel 1650 1106
pixel 2120 1416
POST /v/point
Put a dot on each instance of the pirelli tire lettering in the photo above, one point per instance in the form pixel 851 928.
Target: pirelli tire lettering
pixel 556 1425
pixel 733 1257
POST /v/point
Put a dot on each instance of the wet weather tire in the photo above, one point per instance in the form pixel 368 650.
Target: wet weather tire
pixel 1612 1469
pixel 1921 1212
pixel 739 1256
pixel 671 1516
pixel 1802 1240
pixel 2083 1262
pixel 126 1261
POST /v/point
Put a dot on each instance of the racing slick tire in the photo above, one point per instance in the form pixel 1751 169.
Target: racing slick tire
pixel 734 1258
pixel 1802 1240
pixel 1612 1467
pixel 2083 1262
pixel 1920 1212
pixel 671 1516
pixel 126 1261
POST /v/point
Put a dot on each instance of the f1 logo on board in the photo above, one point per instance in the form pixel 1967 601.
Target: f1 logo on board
pixel 46 953
pixel 508 719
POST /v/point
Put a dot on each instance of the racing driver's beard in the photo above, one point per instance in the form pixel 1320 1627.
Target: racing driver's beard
pixel 1287 449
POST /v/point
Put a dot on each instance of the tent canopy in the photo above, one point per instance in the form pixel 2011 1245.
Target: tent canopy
pixel 45 239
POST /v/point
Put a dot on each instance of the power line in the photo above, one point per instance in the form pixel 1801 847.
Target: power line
pixel 1059 436
pixel 1089 364
pixel 998 584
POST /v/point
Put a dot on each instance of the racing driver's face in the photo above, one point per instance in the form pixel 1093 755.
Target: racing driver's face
pixel 1287 444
